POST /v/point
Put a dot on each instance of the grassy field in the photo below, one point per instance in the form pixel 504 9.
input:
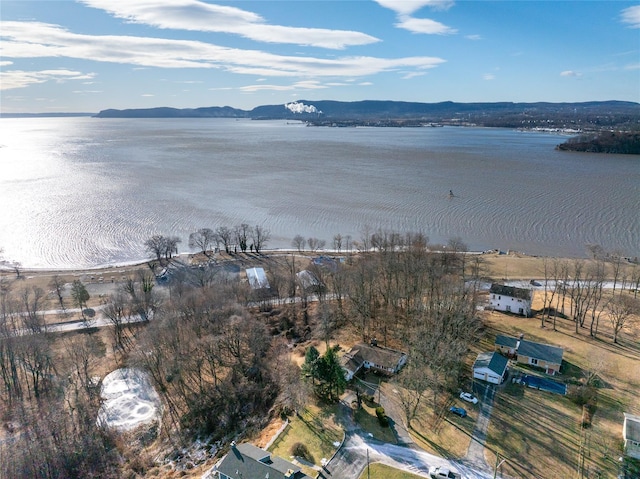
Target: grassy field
pixel 540 432
pixel 316 429
pixel 381 471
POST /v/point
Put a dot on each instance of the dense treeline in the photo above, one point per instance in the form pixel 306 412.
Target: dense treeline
pixel 605 142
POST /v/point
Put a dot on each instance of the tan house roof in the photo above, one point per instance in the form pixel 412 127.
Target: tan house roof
pixel 382 357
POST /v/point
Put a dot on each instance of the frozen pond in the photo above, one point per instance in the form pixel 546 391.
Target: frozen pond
pixel 129 399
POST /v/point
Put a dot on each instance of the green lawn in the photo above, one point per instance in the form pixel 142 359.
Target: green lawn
pixel 316 429
pixel 367 419
pixel 380 471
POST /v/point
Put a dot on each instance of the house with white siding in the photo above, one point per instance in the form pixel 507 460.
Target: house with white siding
pixel 490 367
pixel 631 435
pixel 511 299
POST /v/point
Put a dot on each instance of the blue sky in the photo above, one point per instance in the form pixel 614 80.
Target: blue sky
pixel 89 55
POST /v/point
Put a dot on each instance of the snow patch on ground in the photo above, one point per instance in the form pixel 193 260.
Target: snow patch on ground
pixel 129 399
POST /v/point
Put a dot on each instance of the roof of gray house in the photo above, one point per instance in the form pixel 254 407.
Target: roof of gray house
pixel 631 430
pixel 494 361
pixel 551 354
pixel 247 461
pixel 506 341
pixel 510 291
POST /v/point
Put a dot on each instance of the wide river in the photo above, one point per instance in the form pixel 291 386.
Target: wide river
pixel 86 192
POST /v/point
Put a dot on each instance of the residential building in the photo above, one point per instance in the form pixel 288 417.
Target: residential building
pixel 490 367
pixel 511 299
pixel 371 356
pixel 246 461
pixel 544 356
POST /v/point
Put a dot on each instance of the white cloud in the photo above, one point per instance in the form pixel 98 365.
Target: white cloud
pixel 407 7
pixel 488 76
pixel 632 66
pixel 19 79
pixel 38 40
pixel 200 16
pixel 5 64
pixel 147 94
pixel 423 25
pixel 298 107
pixel 473 37
pixel 570 73
pixel 631 16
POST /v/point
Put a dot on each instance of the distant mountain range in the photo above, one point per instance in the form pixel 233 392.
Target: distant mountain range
pixel 585 115
pixel 595 115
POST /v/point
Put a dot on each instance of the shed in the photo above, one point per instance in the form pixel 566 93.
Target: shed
pixel 490 367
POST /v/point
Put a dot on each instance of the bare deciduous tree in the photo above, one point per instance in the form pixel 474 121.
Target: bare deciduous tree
pixel 260 236
pixel 621 309
pixel 299 243
pixel 202 239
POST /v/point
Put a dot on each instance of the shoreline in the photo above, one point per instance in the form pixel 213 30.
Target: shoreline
pixel 500 265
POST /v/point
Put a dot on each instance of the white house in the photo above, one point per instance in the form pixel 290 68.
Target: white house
pixel 511 299
pixel 490 367
pixel 631 435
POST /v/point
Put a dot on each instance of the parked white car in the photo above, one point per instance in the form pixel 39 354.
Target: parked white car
pixel 468 397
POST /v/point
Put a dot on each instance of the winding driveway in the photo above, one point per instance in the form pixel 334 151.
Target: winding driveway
pixel 357 448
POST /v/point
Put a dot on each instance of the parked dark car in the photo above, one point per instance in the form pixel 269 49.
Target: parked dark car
pixel 458 411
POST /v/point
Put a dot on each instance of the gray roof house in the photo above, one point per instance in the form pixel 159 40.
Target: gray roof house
pixel 490 367
pixel 631 435
pixel 540 355
pixel 506 344
pixel 246 461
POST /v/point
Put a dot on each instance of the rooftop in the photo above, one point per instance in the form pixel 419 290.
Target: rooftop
pixel 496 362
pixel 510 291
pixel 552 354
pixel 631 430
pixel 378 355
pixel 248 461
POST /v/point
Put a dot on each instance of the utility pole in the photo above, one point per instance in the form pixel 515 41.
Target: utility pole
pixel 368 472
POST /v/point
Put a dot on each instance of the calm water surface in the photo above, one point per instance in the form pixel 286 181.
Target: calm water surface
pixel 83 192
